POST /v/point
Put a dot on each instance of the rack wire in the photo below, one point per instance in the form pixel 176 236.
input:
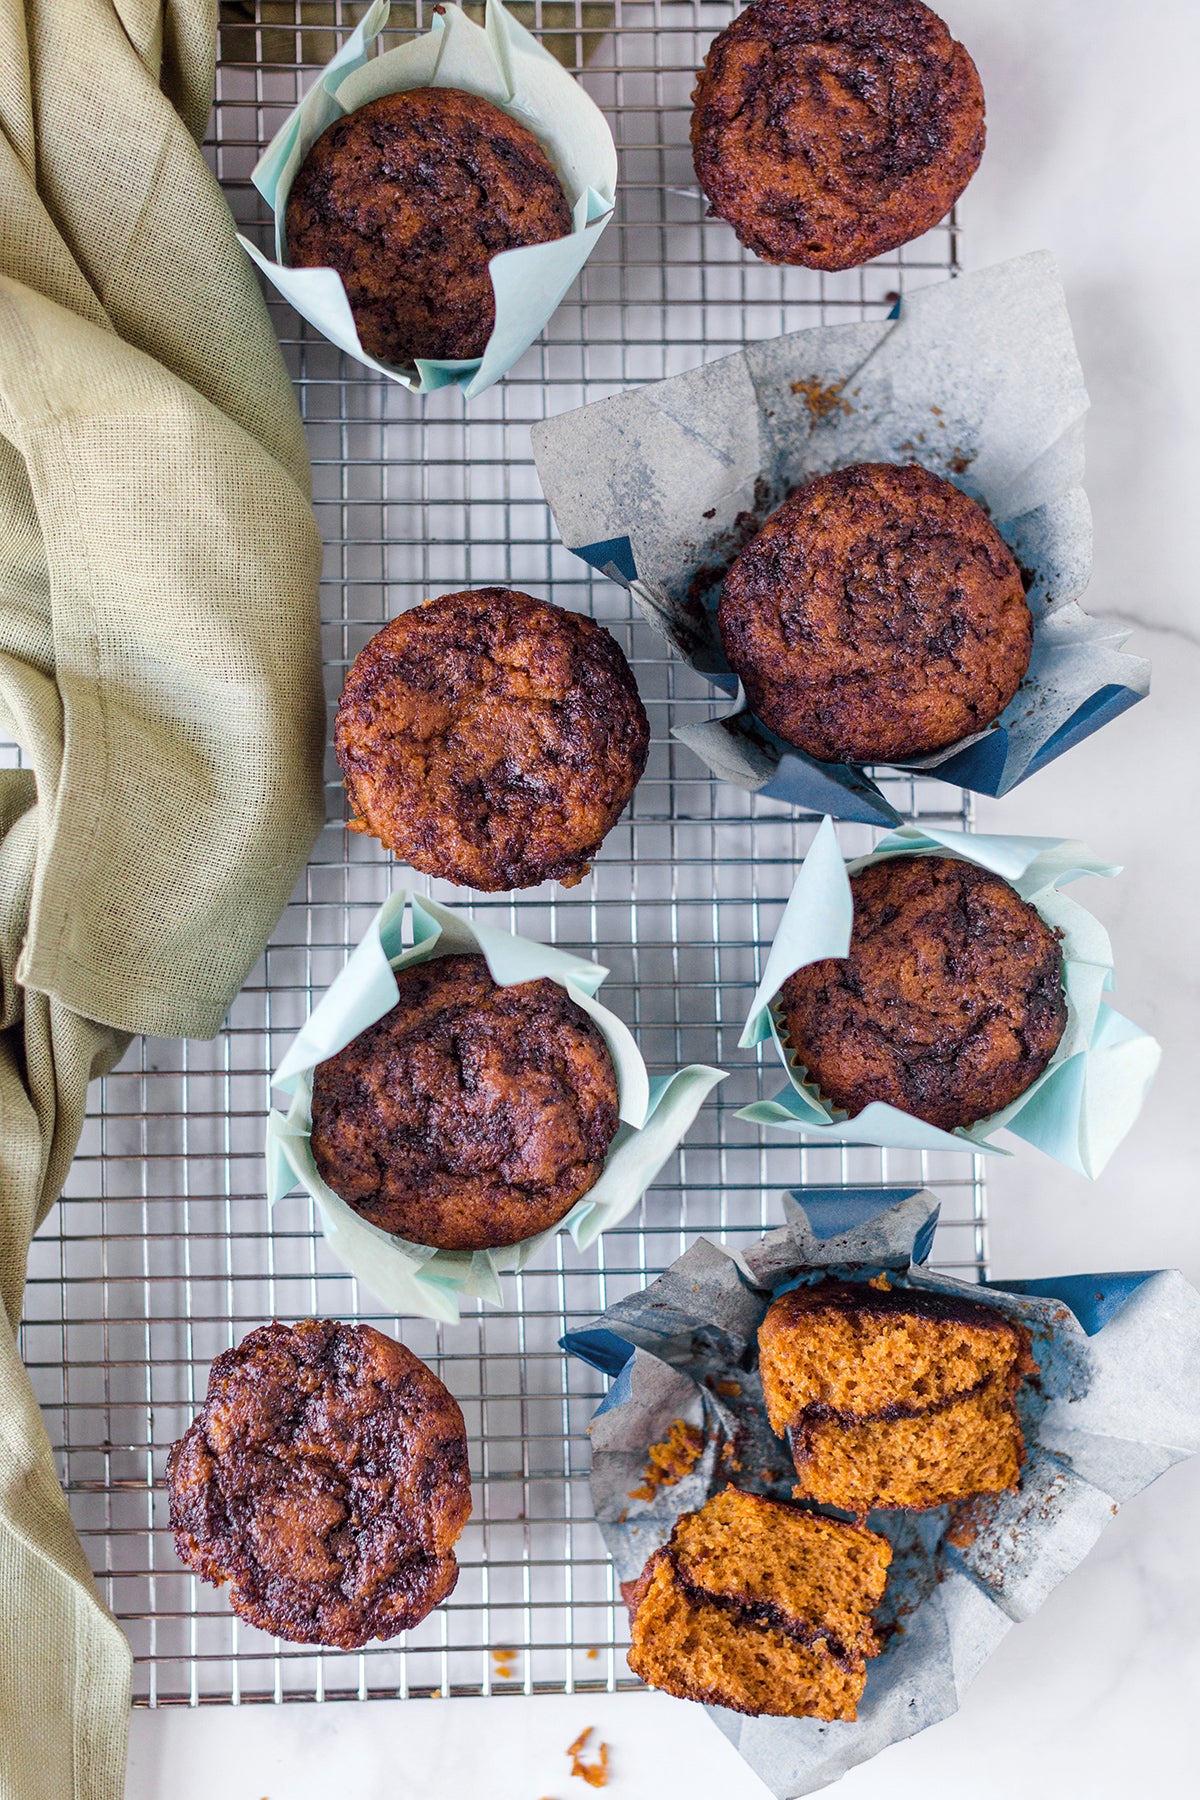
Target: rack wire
pixel 162 1252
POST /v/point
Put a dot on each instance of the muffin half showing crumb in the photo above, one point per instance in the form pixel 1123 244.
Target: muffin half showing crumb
pixel 408 198
pixel 949 1005
pixel 893 1397
pixel 325 1480
pixel 472 1115
pixel 877 616
pixel 760 1607
pixel 491 739
pixel 829 131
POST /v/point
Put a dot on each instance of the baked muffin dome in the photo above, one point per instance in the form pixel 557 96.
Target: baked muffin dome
pixel 409 198
pixel 491 739
pixel 877 616
pixel 325 1479
pixel 471 1115
pixel 949 1004
pixel 829 131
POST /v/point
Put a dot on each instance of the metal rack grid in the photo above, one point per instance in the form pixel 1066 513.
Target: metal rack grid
pixel 162 1253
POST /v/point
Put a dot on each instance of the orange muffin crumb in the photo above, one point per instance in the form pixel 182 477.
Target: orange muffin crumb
pixel 668 1462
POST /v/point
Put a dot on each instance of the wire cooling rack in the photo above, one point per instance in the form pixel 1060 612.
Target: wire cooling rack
pixel 162 1252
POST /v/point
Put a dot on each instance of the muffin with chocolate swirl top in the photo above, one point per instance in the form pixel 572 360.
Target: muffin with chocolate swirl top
pixel 949 1004
pixel 491 739
pixel 829 131
pixel 325 1481
pixel 472 1115
pixel 408 198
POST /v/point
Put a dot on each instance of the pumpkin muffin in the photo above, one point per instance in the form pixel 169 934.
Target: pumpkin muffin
pixel 893 1397
pixel 325 1479
pixel 877 616
pixel 491 739
pixel 471 1115
pixel 409 198
pixel 949 1004
pixel 760 1607
pixel 829 131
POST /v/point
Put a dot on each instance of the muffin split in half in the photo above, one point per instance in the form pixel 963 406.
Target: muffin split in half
pixel 761 1607
pixel 893 1397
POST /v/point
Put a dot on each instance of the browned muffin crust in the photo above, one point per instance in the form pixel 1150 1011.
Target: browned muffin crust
pixel 409 198
pixel 829 131
pixel 878 615
pixel 471 1115
pixel 325 1479
pixel 491 739
pixel 949 1004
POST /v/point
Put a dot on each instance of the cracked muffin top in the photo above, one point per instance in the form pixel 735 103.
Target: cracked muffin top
pixel 409 198
pixel 491 739
pixel 470 1116
pixel 877 616
pixel 325 1480
pixel 949 1004
pixel 829 131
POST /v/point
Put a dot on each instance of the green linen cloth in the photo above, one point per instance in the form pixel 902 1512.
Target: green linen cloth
pixel 159 666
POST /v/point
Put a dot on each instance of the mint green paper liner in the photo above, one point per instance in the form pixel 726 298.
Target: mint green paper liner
pixel 1085 1100
pixel 414 1278
pixel 503 63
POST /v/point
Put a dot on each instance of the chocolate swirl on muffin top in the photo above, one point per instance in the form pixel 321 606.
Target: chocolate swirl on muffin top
pixel 949 1004
pixel 829 131
pixel 470 1116
pixel 491 739
pixel 325 1479
pixel 409 198
pixel 877 616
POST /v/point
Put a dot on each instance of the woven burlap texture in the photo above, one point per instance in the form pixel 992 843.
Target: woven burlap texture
pixel 159 667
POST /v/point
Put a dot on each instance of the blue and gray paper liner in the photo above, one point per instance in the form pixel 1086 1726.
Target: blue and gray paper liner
pixel 1115 1403
pixel 978 380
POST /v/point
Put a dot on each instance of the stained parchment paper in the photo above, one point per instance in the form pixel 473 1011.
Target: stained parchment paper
pixel 976 379
pixel 1085 1100
pixel 1116 1401
pixel 503 63
pixel 415 1278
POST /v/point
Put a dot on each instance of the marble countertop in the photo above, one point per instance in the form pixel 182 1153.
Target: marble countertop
pixel 1091 154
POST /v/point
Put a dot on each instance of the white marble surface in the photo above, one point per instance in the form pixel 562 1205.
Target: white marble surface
pixel 1091 153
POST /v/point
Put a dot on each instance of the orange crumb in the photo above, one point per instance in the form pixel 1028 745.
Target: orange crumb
pixel 670 1461
pixel 881 1282
pixel 593 1653
pixel 821 401
pixel 594 1773
pixel 729 1390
